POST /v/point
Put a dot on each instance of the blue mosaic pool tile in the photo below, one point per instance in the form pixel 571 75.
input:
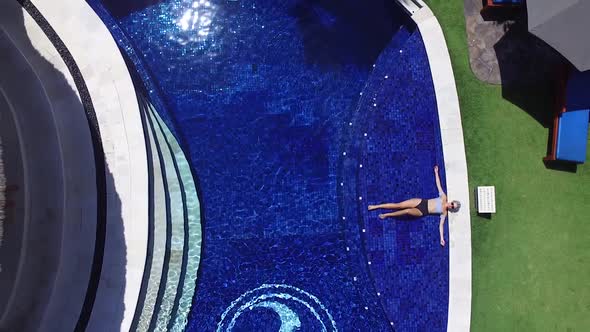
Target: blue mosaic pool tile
pixel 263 106
pixel 398 114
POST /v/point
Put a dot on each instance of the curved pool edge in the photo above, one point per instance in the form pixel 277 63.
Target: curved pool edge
pixel 447 100
pixel 117 110
pixel 451 132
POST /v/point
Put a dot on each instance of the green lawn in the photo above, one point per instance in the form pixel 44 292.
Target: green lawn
pixel 531 260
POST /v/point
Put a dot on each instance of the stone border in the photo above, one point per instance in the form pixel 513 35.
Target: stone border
pixel 502 51
pixel 447 101
pixel 113 95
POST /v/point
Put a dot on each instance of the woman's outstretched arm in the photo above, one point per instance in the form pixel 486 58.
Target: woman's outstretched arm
pixel 441 229
pixel 437 178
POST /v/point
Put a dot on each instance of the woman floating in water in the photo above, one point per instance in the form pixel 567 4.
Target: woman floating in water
pixel 417 207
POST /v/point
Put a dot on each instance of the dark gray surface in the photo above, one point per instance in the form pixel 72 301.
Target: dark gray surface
pixel 564 25
pixel 58 182
pixel 12 230
pixel 502 51
pixel 40 212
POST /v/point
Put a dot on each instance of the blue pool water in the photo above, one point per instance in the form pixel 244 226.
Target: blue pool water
pixel 272 100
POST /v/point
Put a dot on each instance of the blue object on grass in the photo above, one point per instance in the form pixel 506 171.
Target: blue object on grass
pixel 573 136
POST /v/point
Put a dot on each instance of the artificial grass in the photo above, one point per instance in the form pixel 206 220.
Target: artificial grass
pixel 531 260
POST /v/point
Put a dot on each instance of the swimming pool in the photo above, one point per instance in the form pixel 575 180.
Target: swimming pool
pixel 277 106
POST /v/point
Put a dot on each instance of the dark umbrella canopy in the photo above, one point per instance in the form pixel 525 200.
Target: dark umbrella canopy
pixel 565 25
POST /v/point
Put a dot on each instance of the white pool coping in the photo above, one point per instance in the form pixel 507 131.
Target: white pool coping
pixel 449 114
pixel 117 110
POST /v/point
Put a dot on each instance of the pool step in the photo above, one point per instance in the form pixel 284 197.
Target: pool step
pixel 175 232
pixel 158 225
pixel 175 235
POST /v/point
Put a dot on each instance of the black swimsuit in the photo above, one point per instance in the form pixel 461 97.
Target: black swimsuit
pixel 423 206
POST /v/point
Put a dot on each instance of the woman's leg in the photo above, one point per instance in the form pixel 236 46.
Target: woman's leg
pixel 411 212
pixel 410 203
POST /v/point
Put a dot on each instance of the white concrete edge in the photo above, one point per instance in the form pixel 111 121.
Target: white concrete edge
pixel 459 317
pixel 113 95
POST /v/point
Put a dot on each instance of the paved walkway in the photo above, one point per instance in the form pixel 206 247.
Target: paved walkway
pixel 503 51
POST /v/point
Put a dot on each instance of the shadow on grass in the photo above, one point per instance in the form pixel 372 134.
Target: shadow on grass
pixel 529 70
pixel 561 166
pixel 487 216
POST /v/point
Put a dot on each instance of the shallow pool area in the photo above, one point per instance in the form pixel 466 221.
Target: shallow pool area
pixel 294 117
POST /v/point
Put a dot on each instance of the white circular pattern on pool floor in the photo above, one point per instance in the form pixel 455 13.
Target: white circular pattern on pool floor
pixel 281 299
